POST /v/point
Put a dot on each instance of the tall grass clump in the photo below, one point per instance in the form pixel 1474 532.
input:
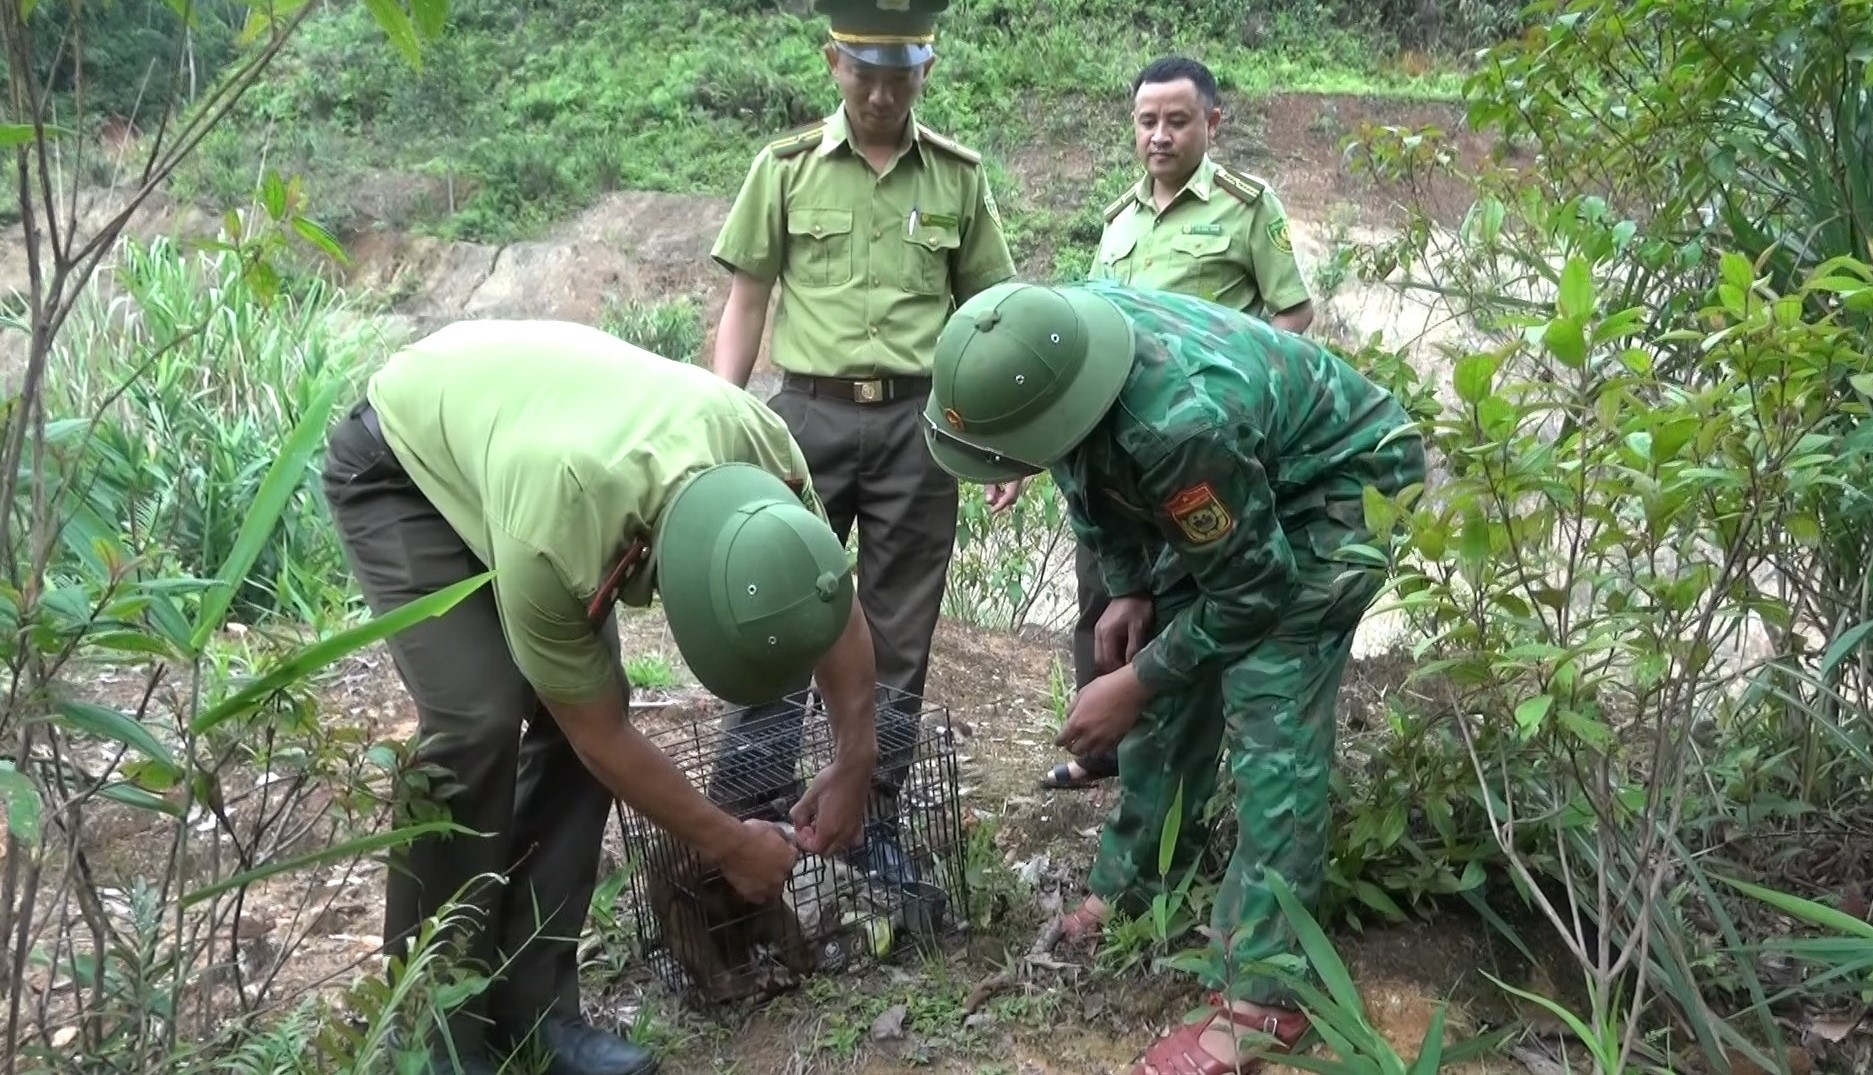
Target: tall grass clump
pixel 194 379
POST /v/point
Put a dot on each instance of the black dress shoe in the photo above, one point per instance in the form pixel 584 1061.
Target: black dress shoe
pixel 576 1047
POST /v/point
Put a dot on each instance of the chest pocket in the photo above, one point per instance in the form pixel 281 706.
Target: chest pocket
pixel 819 247
pixel 927 252
pixel 1115 259
pixel 1204 264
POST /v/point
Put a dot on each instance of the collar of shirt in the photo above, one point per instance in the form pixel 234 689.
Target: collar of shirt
pixel 1200 185
pixel 837 134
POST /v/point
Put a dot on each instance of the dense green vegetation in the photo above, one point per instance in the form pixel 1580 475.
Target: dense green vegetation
pixel 1638 727
pixel 527 111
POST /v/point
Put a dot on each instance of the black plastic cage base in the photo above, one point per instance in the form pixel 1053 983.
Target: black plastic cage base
pixel 902 888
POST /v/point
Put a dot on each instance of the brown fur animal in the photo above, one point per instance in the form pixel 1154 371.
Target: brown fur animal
pixel 715 933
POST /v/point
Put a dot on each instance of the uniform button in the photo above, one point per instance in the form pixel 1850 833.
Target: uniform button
pixel 874 281
pixel 879 234
pixel 874 330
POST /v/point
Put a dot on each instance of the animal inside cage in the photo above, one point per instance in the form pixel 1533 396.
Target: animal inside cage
pixel 903 886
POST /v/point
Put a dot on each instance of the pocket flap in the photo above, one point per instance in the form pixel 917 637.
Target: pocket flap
pixel 819 223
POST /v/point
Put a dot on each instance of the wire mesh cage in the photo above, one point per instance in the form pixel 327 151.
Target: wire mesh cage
pixel 903 887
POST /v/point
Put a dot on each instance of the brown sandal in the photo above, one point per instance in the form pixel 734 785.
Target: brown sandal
pixel 1181 1051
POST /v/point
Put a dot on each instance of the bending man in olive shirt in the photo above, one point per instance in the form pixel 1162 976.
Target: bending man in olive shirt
pixel 583 471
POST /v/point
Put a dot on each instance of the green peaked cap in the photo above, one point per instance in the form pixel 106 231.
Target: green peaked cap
pixel 1025 372
pixel 885 33
pixel 756 587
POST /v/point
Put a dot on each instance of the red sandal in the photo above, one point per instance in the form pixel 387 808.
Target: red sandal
pixel 1181 1052
pixel 1082 928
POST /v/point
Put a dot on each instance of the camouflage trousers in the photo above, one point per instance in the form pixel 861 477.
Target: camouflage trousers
pixel 1273 711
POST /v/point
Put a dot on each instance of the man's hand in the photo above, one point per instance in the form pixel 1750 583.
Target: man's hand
pixel 1121 632
pixel 828 817
pixel 761 862
pixel 1002 495
pixel 1103 713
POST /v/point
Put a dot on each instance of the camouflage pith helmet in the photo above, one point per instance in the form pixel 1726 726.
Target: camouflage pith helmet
pixel 755 586
pixel 971 464
pixel 884 33
pixel 1025 371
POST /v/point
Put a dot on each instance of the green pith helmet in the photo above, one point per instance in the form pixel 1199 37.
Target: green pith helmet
pixel 884 33
pixel 1025 371
pixel 755 586
pixel 971 464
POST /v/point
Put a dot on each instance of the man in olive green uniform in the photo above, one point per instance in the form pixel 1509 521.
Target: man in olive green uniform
pixel 1245 451
pixel 1189 225
pixel 582 471
pixel 871 226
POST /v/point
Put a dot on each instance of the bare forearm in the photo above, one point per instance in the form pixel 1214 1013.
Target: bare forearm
pixel 738 336
pixel 635 771
pixel 1295 319
pixel 848 679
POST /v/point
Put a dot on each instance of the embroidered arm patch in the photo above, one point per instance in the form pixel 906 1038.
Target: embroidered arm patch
pixel 1200 515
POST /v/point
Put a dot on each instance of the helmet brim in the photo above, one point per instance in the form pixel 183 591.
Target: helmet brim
pixel 693 535
pixel 966 462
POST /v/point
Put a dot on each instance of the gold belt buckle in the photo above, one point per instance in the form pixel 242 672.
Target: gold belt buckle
pixel 868 391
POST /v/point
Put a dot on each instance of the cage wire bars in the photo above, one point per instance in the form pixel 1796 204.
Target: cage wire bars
pixel 708 945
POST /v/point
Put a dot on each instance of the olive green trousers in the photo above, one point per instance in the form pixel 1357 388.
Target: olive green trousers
pixel 507 771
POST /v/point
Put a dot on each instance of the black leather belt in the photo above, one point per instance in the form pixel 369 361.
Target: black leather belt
pixel 877 390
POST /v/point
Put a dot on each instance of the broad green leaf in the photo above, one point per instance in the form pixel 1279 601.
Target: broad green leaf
pixel 1804 528
pixel 1474 376
pixel 1529 714
pixel 136 797
pixel 282 481
pixel 323 652
pixel 397 26
pixel 1565 339
pixel 1380 515
pixel 106 723
pixel 1167 834
pixel 23 134
pixel 430 16
pixel 1840 647
pixel 23 805
pixel 313 232
pixel 1577 296
pixel 1863 383
pixel 273 195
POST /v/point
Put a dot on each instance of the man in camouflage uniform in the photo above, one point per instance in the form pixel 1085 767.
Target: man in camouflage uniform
pixel 871 226
pixel 1194 226
pixel 1245 451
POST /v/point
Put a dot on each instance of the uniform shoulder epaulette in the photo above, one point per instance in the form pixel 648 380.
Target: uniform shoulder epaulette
pixel 1241 184
pixel 798 140
pixel 1111 212
pixel 948 144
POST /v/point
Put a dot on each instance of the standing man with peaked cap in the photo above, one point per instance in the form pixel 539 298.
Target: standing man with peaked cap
pixel 1245 451
pixel 872 227
pixel 1194 226
pixel 583 470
